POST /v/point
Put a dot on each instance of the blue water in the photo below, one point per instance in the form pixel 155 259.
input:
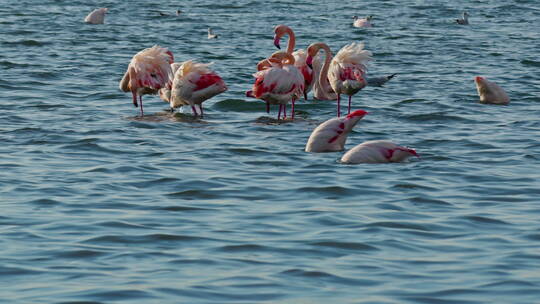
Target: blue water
pixel 100 205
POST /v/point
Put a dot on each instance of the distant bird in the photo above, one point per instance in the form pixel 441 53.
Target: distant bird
pixel 97 16
pixel 362 22
pixel 464 20
pixel 346 71
pixel 490 92
pixel 330 136
pixel 178 12
pixel 377 151
pixel 278 83
pixel 299 55
pixel 211 34
pixel 379 81
pixel 148 71
pixel 193 84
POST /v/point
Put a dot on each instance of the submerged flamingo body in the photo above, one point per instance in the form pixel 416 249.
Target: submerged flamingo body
pixel 490 92
pixel 97 16
pixel 330 136
pixel 377 151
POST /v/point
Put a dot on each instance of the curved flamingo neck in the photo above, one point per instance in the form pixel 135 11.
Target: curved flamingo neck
pixel 292 40
pixel 323 76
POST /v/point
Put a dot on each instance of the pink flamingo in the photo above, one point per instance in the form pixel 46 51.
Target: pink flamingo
pixel 193 84
pixel 148 71
pixel 490 92
pixel 97 16
pixel 377 151
pixel 278 82
pixel 345 71
pixel 330 136
pixel 299 55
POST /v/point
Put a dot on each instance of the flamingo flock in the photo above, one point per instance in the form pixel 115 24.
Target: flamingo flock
pixel 281 79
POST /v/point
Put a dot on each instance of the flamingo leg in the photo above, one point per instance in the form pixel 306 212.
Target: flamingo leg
pixel 279 113
pixel 338 108
pixel 267 107
pixel 349 111
pixel 140 99
pixel 194 110
pixel 202 112
pixel 305 95
pixel 292 110
pixel 134 94
pixel 284 111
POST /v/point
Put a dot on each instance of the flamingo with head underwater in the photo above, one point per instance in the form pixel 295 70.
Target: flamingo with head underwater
pixel 377 151
pixel 193 84
pixel 299 55
pixel 148 71
pixel 278 81
pixel 345 72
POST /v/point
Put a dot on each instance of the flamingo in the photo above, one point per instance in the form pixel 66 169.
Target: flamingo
pixel 97 16
pixel 193 84
pixel 490 92
pixel 330 136
pixel 377 151
pixel 364 22
pixel 299 55
pixel 278 82
pixel 345 71
pixel 321 85
pixel 148 71
pixel 211 34
pixel 464 20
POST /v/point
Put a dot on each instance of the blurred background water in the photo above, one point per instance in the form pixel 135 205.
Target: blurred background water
pixel 103 206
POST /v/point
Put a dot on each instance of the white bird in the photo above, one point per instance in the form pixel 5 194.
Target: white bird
pixel 97 16
pixel 330 136
pixel 464 20
pixel 490 92
pixel 379 81
pixel 211 34
pixel 377 151
pixel 363 22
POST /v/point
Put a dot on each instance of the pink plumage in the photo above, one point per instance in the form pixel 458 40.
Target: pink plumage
pixel 148 71
pixel 330 136
pixel 345 71
pixel 193 84
pixel 377 151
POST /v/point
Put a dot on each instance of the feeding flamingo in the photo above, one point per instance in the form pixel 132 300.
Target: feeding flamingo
pixel 97 16
pixel 330 136
pixel 148 71
pixel 345 71
pixel 379 81
pixel 299 55
pixel 193 84
pixel 377 151
pixel 490 92
pixel 278 82
pixel 363 22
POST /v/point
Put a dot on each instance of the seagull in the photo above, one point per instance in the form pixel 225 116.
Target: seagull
pixel 464 20
pixel 211 34
pixel 379 81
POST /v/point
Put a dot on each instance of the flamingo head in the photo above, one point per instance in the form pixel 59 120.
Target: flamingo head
pixel 280 31
pixel 357 113
pixel 368 18
pixel 355 17
pixel 479 79
pixel 171 61
pixel 309 61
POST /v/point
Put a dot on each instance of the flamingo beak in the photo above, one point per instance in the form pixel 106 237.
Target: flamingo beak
pixel 309 62
pixel 276 42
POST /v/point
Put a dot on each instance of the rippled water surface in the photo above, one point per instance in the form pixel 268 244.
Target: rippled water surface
pixel 100 205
